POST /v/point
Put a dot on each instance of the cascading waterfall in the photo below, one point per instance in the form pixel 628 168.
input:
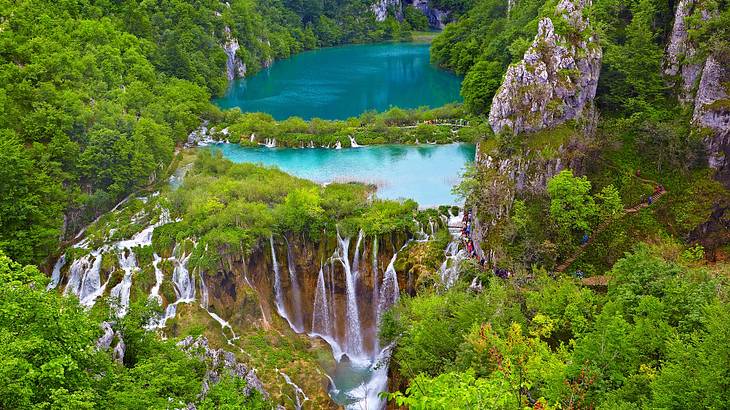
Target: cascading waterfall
pixel 321 315
pixel 183 282
pixel 84 280
pixel 203 292
pixel 389 291
pixel 449 270
pixel 353 336
pixel 120 292
pixel 56 274
pixel 299 396
pixel 159 277
pixel 295 289
pixel 278 292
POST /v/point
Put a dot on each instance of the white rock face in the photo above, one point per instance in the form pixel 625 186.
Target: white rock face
pixel 681 63
pixel 712 113
pixel 380 8
pixel 436 18
pixel 555 81
pixel 235 68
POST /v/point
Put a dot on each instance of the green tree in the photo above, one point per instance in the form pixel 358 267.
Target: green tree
pixel 480 85
pixel 572 208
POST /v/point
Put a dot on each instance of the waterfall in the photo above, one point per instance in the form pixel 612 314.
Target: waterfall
pixel 353 335
pixel 449 270
pixel 203 292
pixel 295 289
pixel 159 277
pixel 120 292
pixel 270 142
pixel 354 143
pixel 321 323
pixel 182 280
pixel 299 395
pixel 56 274
pixel 389 291
pixel 278 292
pixel 84 280
pixel 338 145
pixel 376 291
pixel 356 260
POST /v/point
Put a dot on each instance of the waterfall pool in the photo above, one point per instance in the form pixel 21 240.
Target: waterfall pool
pixel 424 173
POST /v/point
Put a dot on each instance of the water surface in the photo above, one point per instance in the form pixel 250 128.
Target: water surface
pixel 342 82
pixel 425 173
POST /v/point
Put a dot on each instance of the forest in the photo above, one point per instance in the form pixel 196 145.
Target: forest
pixel 600 275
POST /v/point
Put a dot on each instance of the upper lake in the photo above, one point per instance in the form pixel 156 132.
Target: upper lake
pixel 342 82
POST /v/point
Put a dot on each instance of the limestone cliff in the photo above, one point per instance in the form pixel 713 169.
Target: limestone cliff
pixel 682 66
pixel 381 7
pixel 557 78
pixel 712 113
pixel 436 18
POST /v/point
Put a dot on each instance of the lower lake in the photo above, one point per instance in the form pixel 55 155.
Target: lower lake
pixel 424 173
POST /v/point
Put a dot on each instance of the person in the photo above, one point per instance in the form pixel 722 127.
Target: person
pixel 585 239
pixel 638 173
pixel 649 200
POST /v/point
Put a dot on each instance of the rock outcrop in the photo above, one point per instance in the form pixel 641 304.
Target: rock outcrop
pixel 436 18
pixel 220 362
pixel 106 340
pixel 681 63
pixel 235 67
pixel 712 114
pixel 557 78
pixel 381 7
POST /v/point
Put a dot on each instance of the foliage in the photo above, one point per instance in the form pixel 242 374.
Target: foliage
pixel 572 208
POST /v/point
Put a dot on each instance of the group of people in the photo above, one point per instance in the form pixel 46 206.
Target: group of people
pixel 466 230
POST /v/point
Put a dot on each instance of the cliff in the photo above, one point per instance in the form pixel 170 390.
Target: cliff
pixel 712 114
pixel 557 78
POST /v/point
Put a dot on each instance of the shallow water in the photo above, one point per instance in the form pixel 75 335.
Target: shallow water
pixel 342 82
pixel 424 173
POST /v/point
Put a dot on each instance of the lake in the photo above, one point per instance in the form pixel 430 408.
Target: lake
pixel 342 82
pixel 424 173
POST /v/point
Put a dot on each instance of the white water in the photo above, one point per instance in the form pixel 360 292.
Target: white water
pixel 353 336
pixel 300 397
pixel 56 274
pixel 159 277
pixel 295 289
pixel 354 143
pixel 278 292
pixel 120 292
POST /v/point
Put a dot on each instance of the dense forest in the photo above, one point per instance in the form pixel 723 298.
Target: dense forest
pixel 96 95
pixel 591 269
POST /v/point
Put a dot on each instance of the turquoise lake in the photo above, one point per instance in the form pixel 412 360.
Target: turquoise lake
pixel 424 173
pixel 342 82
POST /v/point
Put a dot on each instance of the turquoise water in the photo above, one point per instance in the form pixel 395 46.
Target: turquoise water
pixel 425 173
pixel 342 82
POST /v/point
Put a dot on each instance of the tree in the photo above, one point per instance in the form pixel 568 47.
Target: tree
pixel 480 85
pixel 572 208
pixel 609 203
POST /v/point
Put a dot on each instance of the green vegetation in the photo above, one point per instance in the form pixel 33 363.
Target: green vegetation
pixel 653 340
pixel 441 125
pixel 48 356
pixel 96 95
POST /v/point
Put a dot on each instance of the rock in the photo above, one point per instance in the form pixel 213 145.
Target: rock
pixel 219 361
pixel 712 114
pixel 235 67
pixel 119 349
pixel 381 7
pixel 555 81
pixel 105 342
pixel 681 61
pixel 436 18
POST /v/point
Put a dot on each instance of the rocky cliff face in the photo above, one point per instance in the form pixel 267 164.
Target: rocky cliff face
pixel 436 18
pixel 235 67
pixel 712 113
pixel 701 82
pixel 557 78
pixel 381 7
pixel 682 66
